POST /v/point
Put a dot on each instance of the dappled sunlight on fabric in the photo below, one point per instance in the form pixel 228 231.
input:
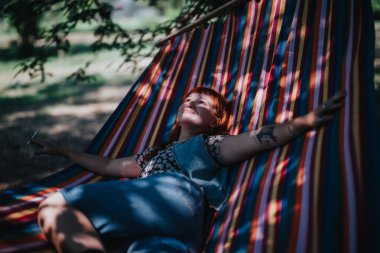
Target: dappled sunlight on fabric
pixel 301 179
pixel 273 210
pixel 20 216
pixel 141 204
pixel 27 215
pixel 257 233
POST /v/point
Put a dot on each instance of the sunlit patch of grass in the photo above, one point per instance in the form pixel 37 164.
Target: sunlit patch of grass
pixel 105 63
pixel 108 64
pixel 45 94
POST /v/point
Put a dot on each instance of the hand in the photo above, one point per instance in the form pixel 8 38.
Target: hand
pixel 44 147
pixel 325 112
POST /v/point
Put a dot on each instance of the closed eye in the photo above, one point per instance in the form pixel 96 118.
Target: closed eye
pixel 204 102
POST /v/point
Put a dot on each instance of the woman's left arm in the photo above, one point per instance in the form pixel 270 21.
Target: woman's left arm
pixel 235 149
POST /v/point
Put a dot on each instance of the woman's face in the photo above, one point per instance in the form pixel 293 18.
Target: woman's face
pixel 197 111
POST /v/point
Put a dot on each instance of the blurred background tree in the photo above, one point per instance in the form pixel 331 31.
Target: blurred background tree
pixel 44 26
pixel 27 26
pixel 376 9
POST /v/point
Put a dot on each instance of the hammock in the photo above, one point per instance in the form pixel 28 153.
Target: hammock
pixel 275 60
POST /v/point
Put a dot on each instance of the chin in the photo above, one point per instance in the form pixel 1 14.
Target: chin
pixel 191 124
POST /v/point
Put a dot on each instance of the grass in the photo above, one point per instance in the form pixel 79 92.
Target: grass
pixel 50 94
pixel 61 67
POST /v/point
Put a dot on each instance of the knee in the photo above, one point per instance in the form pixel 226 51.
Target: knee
pixel 49 209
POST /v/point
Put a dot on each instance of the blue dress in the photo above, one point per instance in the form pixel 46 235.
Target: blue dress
pixel 164 207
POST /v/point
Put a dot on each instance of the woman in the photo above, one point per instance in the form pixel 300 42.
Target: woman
pixel 163 209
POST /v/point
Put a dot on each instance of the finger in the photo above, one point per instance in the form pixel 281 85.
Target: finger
pixel 40 142
pixel 36 143
pixel 40 151
pixel 325 119
pixel 336 107
pixel 321 121
pixel 332 108
pixel 330 105
pixel 337 100
pixel 338 96
pixel 341 93
pixel 334 100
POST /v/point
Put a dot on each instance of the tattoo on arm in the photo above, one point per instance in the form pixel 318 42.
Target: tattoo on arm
pixel 291 131
pixel 265 136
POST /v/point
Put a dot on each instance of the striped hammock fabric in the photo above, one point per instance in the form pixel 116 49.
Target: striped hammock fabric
pixel 274 60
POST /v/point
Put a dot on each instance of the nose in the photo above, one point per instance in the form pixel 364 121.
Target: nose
pixel 190 104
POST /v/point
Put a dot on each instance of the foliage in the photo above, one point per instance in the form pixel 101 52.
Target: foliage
pixel 376 9
pixel 376 5
pixel 15 12
pixel 26 15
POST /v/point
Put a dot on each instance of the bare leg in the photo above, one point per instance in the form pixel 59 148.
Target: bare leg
pixel 67 228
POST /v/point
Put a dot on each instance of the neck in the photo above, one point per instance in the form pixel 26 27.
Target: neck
pixel 186 134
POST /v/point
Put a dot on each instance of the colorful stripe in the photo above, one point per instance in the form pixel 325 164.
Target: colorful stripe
pixel 275 60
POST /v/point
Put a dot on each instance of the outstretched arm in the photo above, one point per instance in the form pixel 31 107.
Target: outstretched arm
pixel 235 149
pixel 122 167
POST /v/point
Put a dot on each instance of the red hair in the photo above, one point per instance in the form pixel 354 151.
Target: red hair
pixel 221 110
pixel 222 113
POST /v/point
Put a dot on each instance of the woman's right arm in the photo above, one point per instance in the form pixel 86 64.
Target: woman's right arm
pixel 121 167
pixel 237 148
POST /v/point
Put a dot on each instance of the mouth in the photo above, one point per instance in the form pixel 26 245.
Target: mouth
pixel 189 110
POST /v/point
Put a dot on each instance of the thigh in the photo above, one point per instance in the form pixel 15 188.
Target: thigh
pixel 166 204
